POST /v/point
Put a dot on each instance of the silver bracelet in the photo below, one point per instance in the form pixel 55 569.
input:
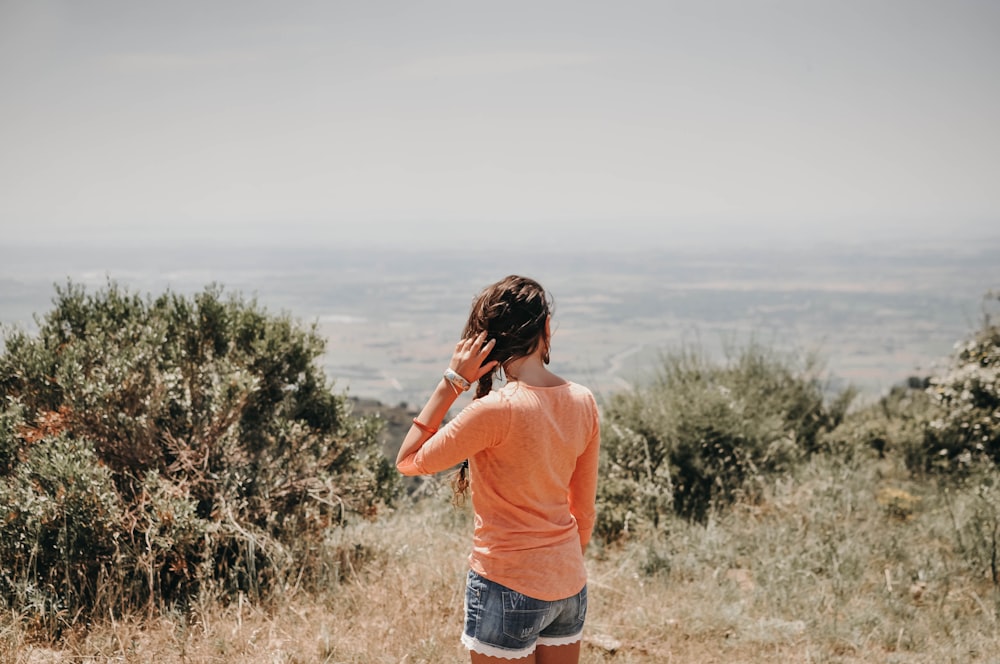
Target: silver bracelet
pixel 457 381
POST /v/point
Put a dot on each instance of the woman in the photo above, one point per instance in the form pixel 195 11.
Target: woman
pixel 532 448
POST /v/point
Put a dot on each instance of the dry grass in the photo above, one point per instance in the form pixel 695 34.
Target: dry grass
pixel 824 570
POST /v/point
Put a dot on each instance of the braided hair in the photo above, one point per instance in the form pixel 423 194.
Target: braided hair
pixel 513 312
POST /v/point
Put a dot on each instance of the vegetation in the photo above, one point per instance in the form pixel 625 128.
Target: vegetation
pixel 703 435
pixel 838 563
pixel 152 450
pixel 966 427
pixel 152 469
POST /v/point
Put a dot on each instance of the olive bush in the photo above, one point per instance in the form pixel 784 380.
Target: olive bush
pixel 967 425
pixel 153 447
pixel 892 426
pixel 705 433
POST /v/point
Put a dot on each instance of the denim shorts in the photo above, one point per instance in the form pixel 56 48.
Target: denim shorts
pixel 500 622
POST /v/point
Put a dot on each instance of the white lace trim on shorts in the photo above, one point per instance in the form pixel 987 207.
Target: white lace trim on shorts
pixel 503 653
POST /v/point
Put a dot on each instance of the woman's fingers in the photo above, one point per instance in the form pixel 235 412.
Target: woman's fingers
pixel 470 353
pixel 483 348
pixel 470 344
pixel 486 368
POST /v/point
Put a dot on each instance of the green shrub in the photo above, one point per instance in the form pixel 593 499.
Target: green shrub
pixel 968 396
pixel 703 434
pixel 60 531
pixel 10 418
pixel 894 425
pixel 211 446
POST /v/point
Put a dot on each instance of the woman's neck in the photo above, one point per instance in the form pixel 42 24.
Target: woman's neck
pixel 531 370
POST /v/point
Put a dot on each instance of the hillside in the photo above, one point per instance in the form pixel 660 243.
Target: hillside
pixel 184 485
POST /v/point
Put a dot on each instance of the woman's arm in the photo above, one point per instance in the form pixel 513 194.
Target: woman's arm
pixel 583 486
pixel 431 416
pixel 467 361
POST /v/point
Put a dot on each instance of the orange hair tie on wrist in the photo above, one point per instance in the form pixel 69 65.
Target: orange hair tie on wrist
pixel 423 427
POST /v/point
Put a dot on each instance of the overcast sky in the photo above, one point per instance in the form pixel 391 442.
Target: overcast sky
pixel 439 123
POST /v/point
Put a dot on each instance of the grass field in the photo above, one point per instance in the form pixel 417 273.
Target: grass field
pixel 839 564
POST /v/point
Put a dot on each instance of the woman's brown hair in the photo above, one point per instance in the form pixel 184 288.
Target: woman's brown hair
pixel 513 312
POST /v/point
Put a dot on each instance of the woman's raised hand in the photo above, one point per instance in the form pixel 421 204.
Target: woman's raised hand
pixel 469 356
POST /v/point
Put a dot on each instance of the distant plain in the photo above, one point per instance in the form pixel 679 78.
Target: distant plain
pixel 873 315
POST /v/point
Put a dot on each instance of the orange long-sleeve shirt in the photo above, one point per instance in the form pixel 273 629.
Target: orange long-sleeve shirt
pixel 533 475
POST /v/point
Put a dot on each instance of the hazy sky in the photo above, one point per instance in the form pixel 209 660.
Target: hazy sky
pixel 443 123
